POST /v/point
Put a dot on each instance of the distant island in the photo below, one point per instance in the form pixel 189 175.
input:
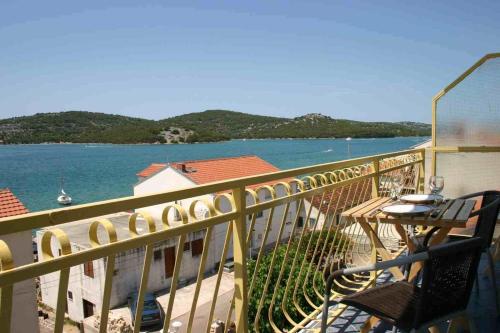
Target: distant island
pixel 206 126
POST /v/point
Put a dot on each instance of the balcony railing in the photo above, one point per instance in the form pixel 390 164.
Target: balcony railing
pixel 281 230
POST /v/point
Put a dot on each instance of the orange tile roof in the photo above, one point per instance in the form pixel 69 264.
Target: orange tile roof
pixel 10 205
pixel 151 170
pixel 218 169
pixel 207 171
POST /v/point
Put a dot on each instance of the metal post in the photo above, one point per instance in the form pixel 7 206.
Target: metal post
pixel 376 178
pixel 240 263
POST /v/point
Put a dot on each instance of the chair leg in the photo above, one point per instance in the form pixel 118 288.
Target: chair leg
pixel 493 279
pixel 477 281
pixel 463 321
pixel 369 324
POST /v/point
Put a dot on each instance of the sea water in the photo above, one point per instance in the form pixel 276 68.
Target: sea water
pixel 94 172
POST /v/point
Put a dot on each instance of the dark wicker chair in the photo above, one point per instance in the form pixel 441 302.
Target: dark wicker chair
pixel 447 279
pixel 485 228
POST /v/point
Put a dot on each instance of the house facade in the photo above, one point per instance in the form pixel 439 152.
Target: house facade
pixel 86 282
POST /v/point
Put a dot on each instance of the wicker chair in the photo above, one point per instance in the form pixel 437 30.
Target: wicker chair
pixel 485 228
pixel 447 279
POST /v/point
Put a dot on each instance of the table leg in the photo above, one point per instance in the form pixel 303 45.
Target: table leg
pixel 406 238
pixel 379 246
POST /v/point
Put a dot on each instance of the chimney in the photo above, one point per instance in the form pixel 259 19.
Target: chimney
pixel 183 168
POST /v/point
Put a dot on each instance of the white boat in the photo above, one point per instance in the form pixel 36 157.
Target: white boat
pixel 63 198
pixel 348 138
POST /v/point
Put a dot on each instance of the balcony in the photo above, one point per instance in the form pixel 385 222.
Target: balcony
pixel 262 244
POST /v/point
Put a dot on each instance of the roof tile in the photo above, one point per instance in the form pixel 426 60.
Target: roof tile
pixel 10 205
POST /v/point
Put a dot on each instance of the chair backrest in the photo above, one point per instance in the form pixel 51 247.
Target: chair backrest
pixel 447 279
pixel 487 216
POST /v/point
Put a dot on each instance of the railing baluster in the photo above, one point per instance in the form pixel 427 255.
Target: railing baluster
pixel 203 261
pixel 110 267
pixel 65 245
pixel 6 263
pixel 178 262
pixel 146 266
pixel 240 262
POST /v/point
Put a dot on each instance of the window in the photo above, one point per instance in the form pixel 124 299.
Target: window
pixel 88 308
pixel 70 295
pixel 337 219
pixel 197 247
pixel 187 246
pixel 300 222
pixel 88 269
pixel 169 253
pixel 312 222
pixel 157 255
pixel 260 214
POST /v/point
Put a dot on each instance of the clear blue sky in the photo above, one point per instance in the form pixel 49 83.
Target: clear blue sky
pixel 378 60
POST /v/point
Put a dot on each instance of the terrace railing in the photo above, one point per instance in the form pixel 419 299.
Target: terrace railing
pixel 281 230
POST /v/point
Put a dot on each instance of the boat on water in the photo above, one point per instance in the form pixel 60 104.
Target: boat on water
pixel 64 198
pixel 348 138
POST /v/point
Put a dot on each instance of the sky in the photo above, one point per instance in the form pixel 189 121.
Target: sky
pixel 361 60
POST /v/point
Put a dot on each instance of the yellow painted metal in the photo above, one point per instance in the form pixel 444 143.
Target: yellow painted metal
pixel 467 149
pixel 273 260
pixel 178 261
pixel 228 237
pixel 110 266
pixel 282 270
pixel 201 268
pixel 272 192
pixel 146 266
pixel 375 179
pixel 438 96
pixel 30 271
pixel 62 290
pixel 74 213
pixel 6 263
pixel 240 267
pixel 354 175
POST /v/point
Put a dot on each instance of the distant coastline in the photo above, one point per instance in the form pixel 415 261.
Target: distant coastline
pixel 190 143
pixel 207 126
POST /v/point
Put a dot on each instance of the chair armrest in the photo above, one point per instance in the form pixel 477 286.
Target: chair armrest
pixel 482 209
pixel 471 195
pixel 428 236
pixel 382 265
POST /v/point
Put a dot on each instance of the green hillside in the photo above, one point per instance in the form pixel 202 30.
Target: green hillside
pixel 78 127
pixel 241 125
pixel 211 125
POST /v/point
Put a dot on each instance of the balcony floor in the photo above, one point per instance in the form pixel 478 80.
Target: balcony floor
pixel 481 309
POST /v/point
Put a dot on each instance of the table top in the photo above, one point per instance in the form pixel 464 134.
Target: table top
pixel 452 213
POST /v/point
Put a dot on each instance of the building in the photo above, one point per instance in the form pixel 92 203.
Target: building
pixel 24 307
pixel 86 283
pixel 173 176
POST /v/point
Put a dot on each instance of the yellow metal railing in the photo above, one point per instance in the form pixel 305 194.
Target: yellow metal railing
pixel 281 230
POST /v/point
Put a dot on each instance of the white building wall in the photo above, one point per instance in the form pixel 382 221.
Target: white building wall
pixel 128 265
pixel 24 307
pixel 80 286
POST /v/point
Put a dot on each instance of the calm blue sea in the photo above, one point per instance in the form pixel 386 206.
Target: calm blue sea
pixel 98 172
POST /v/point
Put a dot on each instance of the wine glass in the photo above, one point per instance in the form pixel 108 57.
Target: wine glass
pixel 436 184
pixel 397 186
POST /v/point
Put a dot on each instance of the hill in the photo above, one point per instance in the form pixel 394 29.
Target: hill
pixel 241 125
pixel 211 125
pixel 78 127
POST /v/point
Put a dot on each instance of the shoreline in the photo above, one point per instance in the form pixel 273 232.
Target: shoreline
pixel 207 142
